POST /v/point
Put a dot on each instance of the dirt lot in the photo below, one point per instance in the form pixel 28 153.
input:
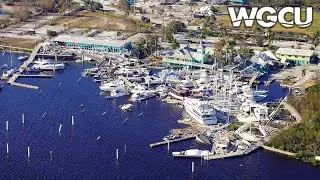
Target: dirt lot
pixel 18 42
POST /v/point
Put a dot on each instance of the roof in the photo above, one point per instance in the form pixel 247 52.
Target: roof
pixel 90 40
pixel 295 52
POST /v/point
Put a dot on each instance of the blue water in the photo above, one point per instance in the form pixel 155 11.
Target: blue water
pixel 77 154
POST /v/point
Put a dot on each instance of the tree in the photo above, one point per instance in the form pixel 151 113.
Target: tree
pixel 174 44
pixel 176 26
pixel 315 38
pixel 51 33
pixel 92 5
pixel 47 5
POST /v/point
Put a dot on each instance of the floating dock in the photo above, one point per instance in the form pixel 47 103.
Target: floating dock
pixel 171 141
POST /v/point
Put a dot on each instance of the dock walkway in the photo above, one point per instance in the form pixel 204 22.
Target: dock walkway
pixel 279 151
pixel 22 68
pixel 293 112
pixel 171 141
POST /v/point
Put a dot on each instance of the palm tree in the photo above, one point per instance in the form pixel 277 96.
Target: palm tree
pixel 270 37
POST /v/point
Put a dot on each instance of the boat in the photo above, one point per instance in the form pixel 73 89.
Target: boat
pixel 142 95
pixel 113 85
pixel 192 153
pixel 5 66
pixel 153 80
pixel 8 73
pixel 203 139
pixel 22 58
pixel 47 65
pixel 179 94
pixel 200 111
pixel 170 137
pixel 126 107
pixel 117 93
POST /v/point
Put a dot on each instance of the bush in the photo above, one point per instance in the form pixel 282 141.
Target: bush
pixel 51 33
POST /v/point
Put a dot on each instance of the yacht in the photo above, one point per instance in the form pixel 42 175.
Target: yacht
pixel 8 73
pixel 153 80
pixel 142 95
pixel 113 85
pixel 117 93
pixel 47 65
pixel 200 111
pixel 191 153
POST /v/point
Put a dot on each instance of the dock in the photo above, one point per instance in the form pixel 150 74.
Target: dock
pixel 23 67
pixel 270 81
pixel 254 77
pixel 171 141
pixel 36 75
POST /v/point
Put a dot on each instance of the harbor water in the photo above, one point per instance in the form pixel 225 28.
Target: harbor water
pixel 88 149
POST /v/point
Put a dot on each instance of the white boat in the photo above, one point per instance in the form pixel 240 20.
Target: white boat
pixel 117 93
pixel 114 85
pixel 8 73
pixel 126 107
pixel 21 58
pixel 47 65
pixel 142 95
pixel 192 153
pixel 153 80
pixel 259 114
pixel 200 111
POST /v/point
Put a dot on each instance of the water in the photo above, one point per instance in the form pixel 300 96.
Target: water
pixel 77 154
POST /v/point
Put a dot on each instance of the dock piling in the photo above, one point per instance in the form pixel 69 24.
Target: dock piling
pixel 44 114
pixel 79 80
pixel 7 125
pixel 125 149
pixel 192 167
pixel 59 84
pixel 22 118
pixel 117 154
pixel 28 152
pixel 72 120
pixel 60 128
pixel 7 148
pixel 168 145
pixel 50 155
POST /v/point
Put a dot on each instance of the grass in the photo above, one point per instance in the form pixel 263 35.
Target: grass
pixel 101 20
pixel 225 20
pixel 19 42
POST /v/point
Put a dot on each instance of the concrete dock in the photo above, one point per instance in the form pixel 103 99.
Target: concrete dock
pixel 171 141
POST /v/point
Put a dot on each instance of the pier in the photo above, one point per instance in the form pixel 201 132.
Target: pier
pixel 171 141
pixel 23 67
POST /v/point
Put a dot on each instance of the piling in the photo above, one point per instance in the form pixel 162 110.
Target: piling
pixel 28 152
pixel 125 149
pixel 60 128
pixel 140 114
pixel 72 120
pixel 7 148
pixel 59 84
pixel 125 120
pixel 50 155
pixel 83 111
pixel 22 118
pixel 192 167
pixel 79 80
pixel 117 154
pixel 44 114
pixel 168 145
pixel 7 125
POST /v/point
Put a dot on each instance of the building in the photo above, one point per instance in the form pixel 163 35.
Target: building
pixel 94 44
pixel 239 1
pixel 193 57
pixel 296 56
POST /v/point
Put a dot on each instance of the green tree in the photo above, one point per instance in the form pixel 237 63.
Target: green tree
pixel 174 44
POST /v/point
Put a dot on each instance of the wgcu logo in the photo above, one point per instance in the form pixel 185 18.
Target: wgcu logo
pixel 267 16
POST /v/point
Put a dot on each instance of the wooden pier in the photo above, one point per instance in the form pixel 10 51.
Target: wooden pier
pixel 171 141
